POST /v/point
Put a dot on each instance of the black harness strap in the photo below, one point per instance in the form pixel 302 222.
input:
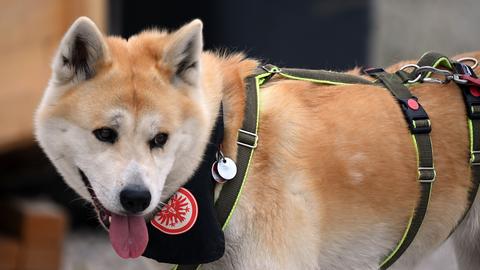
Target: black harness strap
pixel 321 76
pixel 247 142
pixel 419 126
pixel 418 123
pixel 472 106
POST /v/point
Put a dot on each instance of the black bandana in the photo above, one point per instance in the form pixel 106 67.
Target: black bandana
pixel 187 231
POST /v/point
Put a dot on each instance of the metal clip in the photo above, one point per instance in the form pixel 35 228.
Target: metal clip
pixel 458 79
pixel 420 74
pixel 446 73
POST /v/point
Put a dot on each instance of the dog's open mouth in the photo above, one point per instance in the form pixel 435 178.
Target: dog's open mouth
pixel 128 233
pixel 103 214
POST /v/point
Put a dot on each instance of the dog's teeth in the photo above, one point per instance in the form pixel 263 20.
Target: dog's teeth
pixel 109 218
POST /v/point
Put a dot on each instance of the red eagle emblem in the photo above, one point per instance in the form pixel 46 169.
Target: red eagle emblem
pixel 178 215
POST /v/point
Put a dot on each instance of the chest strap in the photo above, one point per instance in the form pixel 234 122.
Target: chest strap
pixel 471 97
pixel 420 126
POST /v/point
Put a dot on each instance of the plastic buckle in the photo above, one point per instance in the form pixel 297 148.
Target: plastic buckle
pixel 247 139
pixel 417 118
pixel 426 174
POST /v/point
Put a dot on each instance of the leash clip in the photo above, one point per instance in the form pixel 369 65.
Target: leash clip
pixel 429 69
pixel 420 74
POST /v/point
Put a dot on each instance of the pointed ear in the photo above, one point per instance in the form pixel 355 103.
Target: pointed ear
pixel 81 49
pixel 183 52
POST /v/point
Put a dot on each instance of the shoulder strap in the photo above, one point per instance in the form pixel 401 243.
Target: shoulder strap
pixel 420 127
pixel 247 142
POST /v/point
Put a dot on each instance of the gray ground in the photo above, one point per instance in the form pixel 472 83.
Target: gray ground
pixel 92 251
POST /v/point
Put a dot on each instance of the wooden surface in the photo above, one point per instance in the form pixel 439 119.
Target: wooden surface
pixel 31 31
pixel 35 231
pixel 9 247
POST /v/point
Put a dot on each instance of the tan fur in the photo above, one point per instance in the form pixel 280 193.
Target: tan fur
pixel 335 166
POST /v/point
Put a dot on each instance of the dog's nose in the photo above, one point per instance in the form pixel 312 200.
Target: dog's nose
pixel 135 199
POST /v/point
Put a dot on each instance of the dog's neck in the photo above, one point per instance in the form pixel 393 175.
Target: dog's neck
pixel 229 88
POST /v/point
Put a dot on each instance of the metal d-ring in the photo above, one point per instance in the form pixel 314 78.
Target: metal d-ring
pixel 469 59
pixel 415 67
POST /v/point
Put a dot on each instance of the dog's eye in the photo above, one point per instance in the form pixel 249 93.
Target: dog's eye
pixel 106 135
pixel 159 140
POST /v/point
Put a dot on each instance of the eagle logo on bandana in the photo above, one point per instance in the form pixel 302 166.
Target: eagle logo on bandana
pixel 178 215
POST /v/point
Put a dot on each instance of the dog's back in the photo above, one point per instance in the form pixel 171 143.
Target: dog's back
pixel 336 173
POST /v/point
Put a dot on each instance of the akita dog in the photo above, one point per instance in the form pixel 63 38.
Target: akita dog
pixel 333 179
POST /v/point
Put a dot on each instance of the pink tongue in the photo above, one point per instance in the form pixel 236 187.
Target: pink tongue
pixel 128 235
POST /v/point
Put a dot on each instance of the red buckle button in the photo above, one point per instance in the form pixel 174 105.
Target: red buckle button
pixel 474 91
pixel 413 104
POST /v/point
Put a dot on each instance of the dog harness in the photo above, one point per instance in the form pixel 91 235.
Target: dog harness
pixel 417 119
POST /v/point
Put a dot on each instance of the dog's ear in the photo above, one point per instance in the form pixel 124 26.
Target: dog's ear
pixel 80 51
pixel 183 51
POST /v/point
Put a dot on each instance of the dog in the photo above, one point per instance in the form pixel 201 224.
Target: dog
pixel 333 179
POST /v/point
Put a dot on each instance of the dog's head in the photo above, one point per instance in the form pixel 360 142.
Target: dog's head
pixel 125 122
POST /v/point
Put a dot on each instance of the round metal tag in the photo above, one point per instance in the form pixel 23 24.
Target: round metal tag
pixel 227 169
pixel 215 175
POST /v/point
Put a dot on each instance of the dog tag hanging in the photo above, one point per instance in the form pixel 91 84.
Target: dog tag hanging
pixel 226 168
pixel 215 175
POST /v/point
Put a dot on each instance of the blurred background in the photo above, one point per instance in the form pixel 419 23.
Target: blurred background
pixel 45 226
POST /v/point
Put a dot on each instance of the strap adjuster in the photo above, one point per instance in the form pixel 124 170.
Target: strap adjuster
pixel 475 158
pixel 247 139
pixel 419 126
pixel 426 174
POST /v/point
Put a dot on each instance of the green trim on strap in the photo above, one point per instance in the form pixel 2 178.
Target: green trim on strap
pixel 312 80
pixel 400 243
pixel 259 80
pixel 443 61
pixel 409 225
pixel 231 193
pixel 470 136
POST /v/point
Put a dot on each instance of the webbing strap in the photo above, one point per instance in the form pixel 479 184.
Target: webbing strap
pixel 247 142
pixel 472 106
pixel 322 76
pixel 419 125
pixel 474 128
pixel 247 135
